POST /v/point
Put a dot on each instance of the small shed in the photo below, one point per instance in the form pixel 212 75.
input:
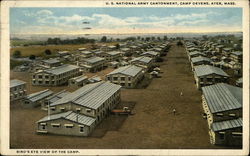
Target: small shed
pixel 36 99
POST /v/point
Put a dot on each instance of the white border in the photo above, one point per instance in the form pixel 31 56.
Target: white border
pixel 5 48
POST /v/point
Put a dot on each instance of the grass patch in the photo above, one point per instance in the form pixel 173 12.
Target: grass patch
pixel 39 50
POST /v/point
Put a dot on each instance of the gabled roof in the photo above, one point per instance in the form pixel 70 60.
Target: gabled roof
pixel 91 95
pixel 228 124
pixel 203 70
pixel 16 82
pixel 222 97
pixel 94 59
pixel 143 59
pixel 238 53
pixel 150 53
pixel 61 69
pixel 79 78
pixel 130 70
pixel 195 53
pixel 70 115
pixel 57 96
pixel 240 80
pixel 51 61
pixel 114 53
pixel 39 95
pixel 199 59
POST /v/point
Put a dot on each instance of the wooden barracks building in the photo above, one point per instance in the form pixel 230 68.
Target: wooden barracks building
pixel 17 89
pixel 222 104
pixel 127 76
pixel 55 76
pixel 79 112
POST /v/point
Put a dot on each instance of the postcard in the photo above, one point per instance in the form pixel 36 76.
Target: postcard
pixel 125 77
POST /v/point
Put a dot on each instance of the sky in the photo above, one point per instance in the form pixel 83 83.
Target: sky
pixel 124 20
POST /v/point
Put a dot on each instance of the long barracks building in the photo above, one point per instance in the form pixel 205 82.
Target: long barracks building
pixel 55 76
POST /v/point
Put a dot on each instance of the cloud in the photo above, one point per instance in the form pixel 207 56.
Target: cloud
pixel 47 21
pixel 44 13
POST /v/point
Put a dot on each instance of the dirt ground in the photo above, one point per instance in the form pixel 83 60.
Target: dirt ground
pixel 154 126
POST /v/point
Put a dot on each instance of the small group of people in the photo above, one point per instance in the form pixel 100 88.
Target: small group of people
pixel 174 110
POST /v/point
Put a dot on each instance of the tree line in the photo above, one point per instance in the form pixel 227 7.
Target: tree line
pixel 79 40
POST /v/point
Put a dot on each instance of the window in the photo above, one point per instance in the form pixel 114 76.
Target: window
pixel 123 78
pixel 209 79
pixel 46 77
pixel 237 134
pixel 88 110
pixel 26 102
pixel 47 82
pixel 40 82
pixel 129 78
pixel 222 135
pixel 62 109
pixel 122 84
pixel 232 115
pixel 55 125
pixel 52 108
pixel 43 125
pixel 115 78
pixel 78 110
pixel 40 76
pixel 81 129
pixel 69 125
pixel 34 76
pixel 129 84
pixel 219 114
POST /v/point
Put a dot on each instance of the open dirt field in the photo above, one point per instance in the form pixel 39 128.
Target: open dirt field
pixel 154 126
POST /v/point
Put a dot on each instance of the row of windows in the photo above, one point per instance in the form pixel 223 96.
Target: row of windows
pixel 17 87
pixel 81 128
pixel 221 115
pixel 234 134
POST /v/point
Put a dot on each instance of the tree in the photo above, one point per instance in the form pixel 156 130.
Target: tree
pixel 117 46
pixel 147 38
pixel 165 38
pixel 47 52
pixel 104 39
pixel 179 43
pixel 32 57
pixel 17 54
pixel 158 38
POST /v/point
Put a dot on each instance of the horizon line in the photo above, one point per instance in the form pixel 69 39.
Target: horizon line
pixel 195 32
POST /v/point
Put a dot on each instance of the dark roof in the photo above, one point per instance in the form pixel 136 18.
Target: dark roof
pixel 224 125
pixel 222 97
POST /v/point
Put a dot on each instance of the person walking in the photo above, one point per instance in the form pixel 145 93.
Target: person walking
pixel 174 111
pixel 181 94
